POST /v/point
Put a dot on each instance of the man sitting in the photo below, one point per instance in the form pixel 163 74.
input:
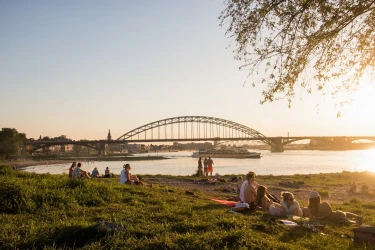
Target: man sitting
pixel 78 172
pixel 249 191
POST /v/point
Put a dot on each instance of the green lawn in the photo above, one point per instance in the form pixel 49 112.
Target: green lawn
pixel 44 211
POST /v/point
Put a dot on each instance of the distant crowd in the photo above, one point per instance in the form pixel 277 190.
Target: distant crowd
pixel 76 171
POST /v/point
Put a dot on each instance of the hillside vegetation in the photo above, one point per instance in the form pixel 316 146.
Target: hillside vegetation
pixel 42 211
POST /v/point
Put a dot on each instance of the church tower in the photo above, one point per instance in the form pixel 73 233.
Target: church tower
pixel 109 137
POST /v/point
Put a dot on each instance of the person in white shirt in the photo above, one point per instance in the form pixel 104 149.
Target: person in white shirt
pixel 290 205
pixel 127 178
pixel 78 172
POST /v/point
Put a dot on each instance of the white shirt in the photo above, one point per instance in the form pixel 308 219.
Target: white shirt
pixel 289 211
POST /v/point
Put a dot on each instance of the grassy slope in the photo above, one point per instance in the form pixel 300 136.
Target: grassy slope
pixel 54 212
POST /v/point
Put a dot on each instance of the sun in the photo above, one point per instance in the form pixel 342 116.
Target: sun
pixel 368 160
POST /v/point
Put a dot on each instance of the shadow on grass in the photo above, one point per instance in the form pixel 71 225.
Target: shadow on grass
pixel 212 206
pixel 67 237
pixel 295 233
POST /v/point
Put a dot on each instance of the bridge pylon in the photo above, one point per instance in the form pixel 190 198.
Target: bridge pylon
pixel 277 145
pixel 102 148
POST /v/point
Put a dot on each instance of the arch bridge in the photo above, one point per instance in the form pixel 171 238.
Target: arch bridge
pixel 197 128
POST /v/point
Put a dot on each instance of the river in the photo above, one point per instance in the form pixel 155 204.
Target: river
pixel 286 163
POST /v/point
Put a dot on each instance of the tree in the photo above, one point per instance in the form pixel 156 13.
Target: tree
pixel 11 142
pixel 317 44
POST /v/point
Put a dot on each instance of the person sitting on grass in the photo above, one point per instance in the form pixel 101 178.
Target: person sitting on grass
pixel 290 205
pixel 253 183
pixel 71 169
pixel 322 211
pixel 95 173
pixel 78 172
pixel 265 204
pixel 353 187
pixel 107 173
pixel 249 193
pixel 239 184
pixel 365 189
pixel 127 178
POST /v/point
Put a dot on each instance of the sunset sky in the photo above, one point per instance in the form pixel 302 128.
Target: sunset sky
pixel 79 68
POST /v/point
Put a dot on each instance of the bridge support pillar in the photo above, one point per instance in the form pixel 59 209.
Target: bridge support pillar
pixel 216 141
pixel 277 145
pixel 102 149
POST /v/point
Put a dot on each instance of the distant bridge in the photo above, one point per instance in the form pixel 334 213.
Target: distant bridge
pixel 196 128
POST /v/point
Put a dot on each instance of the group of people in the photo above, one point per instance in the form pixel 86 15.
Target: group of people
pixel 364 188
pixel 257 196
pixel 76 171
pixel 205 167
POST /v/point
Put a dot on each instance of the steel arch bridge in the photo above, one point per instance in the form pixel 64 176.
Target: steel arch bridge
pixel 193 128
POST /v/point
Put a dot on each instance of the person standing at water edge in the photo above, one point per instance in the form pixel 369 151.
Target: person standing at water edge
pixel 205 167
pixel 210 167
pixel 200 167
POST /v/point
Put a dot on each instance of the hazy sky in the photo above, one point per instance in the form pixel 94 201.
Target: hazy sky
pixel 79 68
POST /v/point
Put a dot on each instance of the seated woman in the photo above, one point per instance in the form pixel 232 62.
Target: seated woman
pixel 266 204
pixel 71 169
pixel 322 211
pixel 290 205
pixel 127 178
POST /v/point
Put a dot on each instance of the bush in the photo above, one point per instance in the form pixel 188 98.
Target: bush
pixel 13 198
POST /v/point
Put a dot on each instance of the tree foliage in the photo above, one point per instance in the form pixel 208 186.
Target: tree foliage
pixel 311 43
pixel 11 142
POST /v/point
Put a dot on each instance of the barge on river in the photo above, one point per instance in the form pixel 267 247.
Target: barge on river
pixel 238 153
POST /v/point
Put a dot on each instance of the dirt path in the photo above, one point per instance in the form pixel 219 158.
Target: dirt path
pixel 220 190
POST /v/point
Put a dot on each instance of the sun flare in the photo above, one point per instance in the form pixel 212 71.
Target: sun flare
pixel 368 160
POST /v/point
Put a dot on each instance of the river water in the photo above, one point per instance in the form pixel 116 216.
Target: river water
pixel 286 163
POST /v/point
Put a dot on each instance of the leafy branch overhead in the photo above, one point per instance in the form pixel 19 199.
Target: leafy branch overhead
pixel 311 43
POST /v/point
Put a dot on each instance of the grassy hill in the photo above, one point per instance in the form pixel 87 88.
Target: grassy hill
pixel 42 211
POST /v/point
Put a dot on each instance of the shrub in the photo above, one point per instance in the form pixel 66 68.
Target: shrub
pixel 13 198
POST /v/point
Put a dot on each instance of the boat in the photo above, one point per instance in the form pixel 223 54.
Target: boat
pixel 226 153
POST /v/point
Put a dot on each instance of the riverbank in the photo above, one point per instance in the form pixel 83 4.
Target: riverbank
pixel 61 213
pixel 23 163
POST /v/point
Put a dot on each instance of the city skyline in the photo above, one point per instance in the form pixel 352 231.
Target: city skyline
pixel 81 68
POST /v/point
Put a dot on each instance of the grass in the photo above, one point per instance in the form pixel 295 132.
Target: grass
pixel 41 211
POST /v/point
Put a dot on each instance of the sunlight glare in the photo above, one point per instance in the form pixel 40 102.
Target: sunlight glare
pixel 368 160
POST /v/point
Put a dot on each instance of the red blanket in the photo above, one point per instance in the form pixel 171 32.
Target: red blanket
pixel 226 203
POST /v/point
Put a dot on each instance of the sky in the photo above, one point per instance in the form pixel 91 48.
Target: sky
pixel 80 68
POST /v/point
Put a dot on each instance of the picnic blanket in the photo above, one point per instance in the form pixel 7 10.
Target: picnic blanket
pixel 225 202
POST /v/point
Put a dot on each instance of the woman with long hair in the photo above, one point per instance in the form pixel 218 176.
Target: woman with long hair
pixel 261 199
pixel 266 204
pixel 71 169
pixel 322 211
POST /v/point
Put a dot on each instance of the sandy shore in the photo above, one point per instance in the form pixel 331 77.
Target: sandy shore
pixel 220 190
pixel 29 163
